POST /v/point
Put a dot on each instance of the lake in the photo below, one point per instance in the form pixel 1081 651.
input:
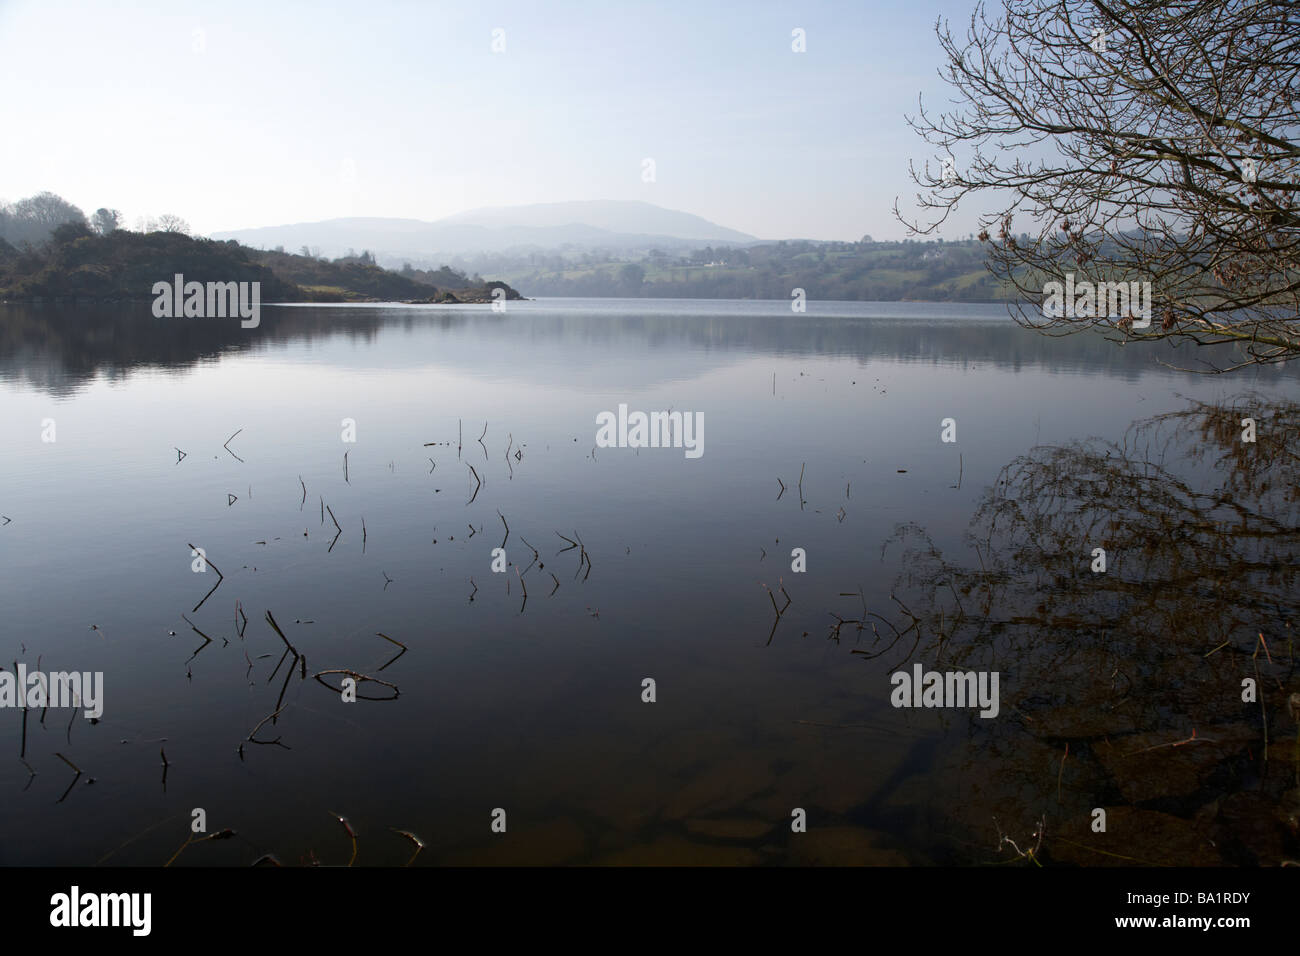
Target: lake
pixel 351 470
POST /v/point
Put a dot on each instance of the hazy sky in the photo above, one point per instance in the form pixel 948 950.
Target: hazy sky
pixel 237 114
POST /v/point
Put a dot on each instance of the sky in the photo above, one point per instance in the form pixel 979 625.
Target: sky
pixel 235 115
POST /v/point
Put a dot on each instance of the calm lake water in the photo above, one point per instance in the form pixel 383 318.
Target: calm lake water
pixel 536 706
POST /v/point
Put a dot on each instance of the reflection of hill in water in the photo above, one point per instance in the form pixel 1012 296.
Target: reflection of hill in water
pixel 58 349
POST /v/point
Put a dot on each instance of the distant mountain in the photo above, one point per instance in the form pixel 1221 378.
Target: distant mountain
pixel 612 216
pixel 606 225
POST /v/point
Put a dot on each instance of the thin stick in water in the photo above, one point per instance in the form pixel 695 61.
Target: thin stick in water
pixel 226 446
pixel 270 619
pixel 477 486
pixel 1061 772
pixel 220 577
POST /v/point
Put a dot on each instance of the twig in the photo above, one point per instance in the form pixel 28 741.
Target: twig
pixel 1030 854
pixel 1061 772
pixel 779 610
pixel 357 677
pixel 536 555
pixel 219 835
pixel 270 619
pixel 582 556
pixel 206 640
pixel 350 832
pixel 1259 685
pixel 220 578
pixel 1173 743
pixel 278 664
pixel 76 704
pixel 1266 653
pixel 226 446
pixel 419 844
pixel 391 641
pixel 251 734
pixel 69 763
pixel 338 530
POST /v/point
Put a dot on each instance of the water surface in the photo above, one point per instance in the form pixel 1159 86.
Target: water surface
pixel 533 706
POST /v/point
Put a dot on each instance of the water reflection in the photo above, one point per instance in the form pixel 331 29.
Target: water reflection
pixel 1123 689
pixel 534 705
pixel 60 348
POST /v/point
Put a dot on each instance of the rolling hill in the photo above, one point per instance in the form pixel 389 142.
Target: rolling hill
pixel 606 225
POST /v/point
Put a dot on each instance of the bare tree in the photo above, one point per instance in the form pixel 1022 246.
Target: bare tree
pixel 48 210
pixel 1146 141
pixel 169 223
pixel 33 220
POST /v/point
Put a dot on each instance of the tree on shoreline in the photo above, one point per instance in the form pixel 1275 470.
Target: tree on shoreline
pixel 1145 141
pixel 33 220
pixel 170 223
pixel 106 220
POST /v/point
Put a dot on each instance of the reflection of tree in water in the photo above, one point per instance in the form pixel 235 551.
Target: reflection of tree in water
pixel 1139 669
